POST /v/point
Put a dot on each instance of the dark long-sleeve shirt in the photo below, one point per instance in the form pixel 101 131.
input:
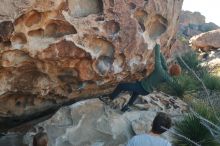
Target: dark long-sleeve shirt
pixel 159 74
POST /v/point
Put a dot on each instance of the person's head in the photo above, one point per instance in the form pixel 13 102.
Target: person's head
pixel 174 70
pixel 40 139
pixel 161 120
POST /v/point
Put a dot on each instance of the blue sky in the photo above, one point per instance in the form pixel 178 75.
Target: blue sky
pixel 209 8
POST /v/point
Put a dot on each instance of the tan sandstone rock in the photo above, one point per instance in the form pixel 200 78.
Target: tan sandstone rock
pixel 206 41
pixel 187 17
pixel 190 24
pixel 57 51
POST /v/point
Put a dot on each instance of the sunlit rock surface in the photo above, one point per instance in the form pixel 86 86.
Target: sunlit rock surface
pixel 206 41
pixel 56 51
pixel 190 24
pixel 92 123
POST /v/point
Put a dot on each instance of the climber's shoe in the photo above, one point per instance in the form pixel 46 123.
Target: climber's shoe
pixel 105 99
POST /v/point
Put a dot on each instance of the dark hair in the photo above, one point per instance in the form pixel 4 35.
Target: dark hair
pixel 161 120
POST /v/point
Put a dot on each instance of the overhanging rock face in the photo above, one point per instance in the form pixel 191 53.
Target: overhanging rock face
pixel 53 51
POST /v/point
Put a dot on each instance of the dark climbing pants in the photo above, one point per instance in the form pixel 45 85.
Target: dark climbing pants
pixel 135 88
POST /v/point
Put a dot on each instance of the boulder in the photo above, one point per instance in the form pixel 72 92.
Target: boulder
pixel 187 17
pixel 56 52
pixel 206 41
pixel 190 24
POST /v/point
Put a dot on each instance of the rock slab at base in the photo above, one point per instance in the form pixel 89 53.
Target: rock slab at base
pixel 91 123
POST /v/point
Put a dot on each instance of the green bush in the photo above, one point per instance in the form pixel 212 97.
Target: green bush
pixel 192 128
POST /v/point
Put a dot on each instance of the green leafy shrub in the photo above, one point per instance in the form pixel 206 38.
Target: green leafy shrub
pixel 192 128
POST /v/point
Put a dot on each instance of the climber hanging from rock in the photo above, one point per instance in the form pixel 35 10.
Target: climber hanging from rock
pixel 147 84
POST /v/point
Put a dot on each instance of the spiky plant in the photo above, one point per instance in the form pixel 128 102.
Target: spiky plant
pixel 191 59
pixel 186 84
pixel 212 82
pixel 214 129
pixel 192 128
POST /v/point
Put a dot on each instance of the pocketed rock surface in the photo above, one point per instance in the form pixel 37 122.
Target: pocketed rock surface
pixel 58 51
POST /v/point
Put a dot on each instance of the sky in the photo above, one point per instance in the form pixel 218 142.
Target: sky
pixel 209 8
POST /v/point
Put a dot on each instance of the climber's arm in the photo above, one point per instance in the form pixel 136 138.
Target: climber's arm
pixel 163 62
pixel 157 55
